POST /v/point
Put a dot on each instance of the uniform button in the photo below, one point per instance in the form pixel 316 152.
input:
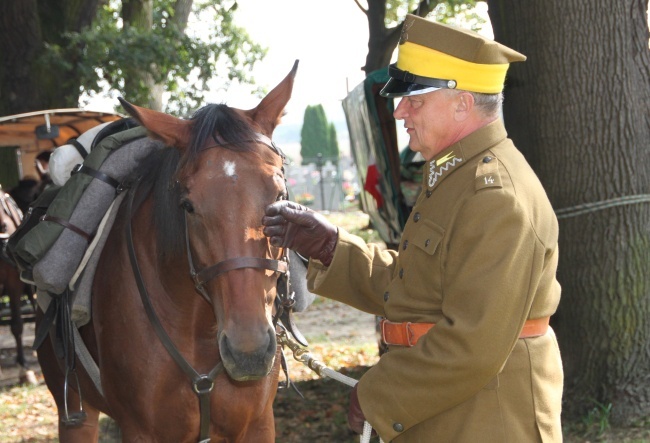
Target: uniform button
pixel 428 193
pixel 398 427
pixel 487 159
pixel 405 244
pixel 427 243
pixel 416 217
pixel 386 295
pixel 401 273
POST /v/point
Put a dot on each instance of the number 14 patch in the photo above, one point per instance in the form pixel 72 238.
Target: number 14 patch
pixel 487 173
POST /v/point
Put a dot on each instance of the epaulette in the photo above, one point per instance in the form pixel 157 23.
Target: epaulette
pixel 487 173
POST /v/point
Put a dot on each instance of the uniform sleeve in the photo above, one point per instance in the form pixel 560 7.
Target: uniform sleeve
pixel 491 258
pixel 358 275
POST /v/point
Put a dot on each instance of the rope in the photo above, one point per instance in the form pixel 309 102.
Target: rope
pixel 585 208
pixel 303 356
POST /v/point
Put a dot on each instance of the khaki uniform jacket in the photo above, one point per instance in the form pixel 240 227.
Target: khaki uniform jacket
pixel 477 257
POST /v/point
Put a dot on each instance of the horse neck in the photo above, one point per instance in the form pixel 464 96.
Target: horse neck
pixel 169 284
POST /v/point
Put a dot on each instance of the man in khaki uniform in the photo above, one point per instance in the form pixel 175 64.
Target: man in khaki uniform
pixel 468 295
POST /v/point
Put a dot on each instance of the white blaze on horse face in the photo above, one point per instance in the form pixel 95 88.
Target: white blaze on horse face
pixel 229 168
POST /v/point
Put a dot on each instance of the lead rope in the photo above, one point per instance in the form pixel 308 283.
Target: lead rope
pixel 303 356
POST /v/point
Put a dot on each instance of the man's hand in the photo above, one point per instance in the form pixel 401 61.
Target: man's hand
pixel 290 225
pixel 356 419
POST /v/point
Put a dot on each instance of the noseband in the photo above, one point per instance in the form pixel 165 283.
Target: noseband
pixel 206 274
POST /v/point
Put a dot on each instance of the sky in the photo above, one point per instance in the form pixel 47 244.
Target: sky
pixel 330 40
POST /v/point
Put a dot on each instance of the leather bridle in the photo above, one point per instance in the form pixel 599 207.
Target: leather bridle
pixel 206 274
pixel 202 384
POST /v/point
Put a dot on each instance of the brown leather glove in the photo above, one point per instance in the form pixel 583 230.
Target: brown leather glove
pixel 356 419
pixel 293 226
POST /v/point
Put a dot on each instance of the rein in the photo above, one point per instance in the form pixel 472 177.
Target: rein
pixel 202 384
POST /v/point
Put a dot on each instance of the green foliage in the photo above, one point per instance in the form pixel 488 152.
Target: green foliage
pixel 316 137
pixel 110 53
pixel 445 11
pixel 333 147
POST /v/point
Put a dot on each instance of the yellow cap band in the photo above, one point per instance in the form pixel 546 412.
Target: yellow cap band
pixel 475 77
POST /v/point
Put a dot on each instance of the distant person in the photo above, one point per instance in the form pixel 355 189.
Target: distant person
pixel 469 293
pixel 29 188
pixel 42 164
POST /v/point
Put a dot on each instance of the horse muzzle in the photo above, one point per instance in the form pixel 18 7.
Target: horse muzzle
pixel 250 357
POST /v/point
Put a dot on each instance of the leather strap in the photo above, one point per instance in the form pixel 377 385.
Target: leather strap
pixel 68 225
pixel 81 168
pixel 211 272
pixel 408 334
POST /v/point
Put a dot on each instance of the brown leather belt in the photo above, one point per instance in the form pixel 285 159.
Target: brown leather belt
pixel 408 334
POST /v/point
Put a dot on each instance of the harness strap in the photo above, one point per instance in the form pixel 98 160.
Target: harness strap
pixel 79 147
pixel 68 225
pixel 231 264
pixel 201 384
pixel 408 334
pixel 81 168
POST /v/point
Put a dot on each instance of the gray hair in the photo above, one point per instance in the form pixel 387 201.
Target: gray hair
pixel 488 104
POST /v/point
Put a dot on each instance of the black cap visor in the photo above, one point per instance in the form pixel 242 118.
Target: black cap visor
pixel 398 88
pixel 403 83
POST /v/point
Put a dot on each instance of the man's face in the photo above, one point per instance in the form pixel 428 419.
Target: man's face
pixel 429 120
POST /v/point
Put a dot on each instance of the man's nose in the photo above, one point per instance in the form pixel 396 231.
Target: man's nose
pixel 400 111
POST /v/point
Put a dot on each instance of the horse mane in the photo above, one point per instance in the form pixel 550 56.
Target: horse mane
pixel 160 173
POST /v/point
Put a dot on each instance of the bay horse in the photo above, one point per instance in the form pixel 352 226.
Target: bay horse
pixel 11 285
pixel 183 295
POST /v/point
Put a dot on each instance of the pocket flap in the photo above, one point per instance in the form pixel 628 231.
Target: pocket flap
pixel 428 237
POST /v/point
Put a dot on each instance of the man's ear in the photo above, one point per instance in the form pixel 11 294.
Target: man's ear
pixel 464 106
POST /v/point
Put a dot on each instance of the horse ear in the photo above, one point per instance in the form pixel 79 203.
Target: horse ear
pixel 268 113
pixel 170 130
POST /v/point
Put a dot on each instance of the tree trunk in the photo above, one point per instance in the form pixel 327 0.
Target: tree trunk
pixel 579 109
pixel 27 82
pixel 382 40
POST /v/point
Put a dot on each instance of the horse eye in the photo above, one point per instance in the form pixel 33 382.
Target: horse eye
pixel 187 206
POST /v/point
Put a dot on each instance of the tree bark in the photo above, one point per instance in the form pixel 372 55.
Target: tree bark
pixel 579 110
pixel 383 40
pixel 27 82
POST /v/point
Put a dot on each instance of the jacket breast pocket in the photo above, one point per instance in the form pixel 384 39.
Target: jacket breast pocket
pixel 428 237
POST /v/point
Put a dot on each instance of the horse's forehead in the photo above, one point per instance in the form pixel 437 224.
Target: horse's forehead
pixel 221 167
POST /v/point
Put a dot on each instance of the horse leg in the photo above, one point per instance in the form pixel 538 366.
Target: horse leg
pixel 17 325
pixel 14 287
pixel 86 432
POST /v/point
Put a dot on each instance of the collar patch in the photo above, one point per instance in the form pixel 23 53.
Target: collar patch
pixel 441 166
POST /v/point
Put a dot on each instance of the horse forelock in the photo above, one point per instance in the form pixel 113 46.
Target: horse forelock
pixel 216 125
pixel 167 167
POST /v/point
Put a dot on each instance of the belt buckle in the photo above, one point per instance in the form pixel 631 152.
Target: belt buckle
pixel 383 331
pixel 409 334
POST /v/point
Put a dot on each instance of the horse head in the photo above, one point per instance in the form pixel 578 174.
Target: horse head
pixel 228 172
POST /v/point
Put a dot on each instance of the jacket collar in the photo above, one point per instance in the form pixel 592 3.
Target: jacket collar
pixel 442 165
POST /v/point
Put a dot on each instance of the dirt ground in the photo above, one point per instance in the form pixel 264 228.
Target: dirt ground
pixel 339 336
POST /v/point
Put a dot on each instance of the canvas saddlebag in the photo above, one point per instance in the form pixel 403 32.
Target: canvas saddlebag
pixel 60 225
